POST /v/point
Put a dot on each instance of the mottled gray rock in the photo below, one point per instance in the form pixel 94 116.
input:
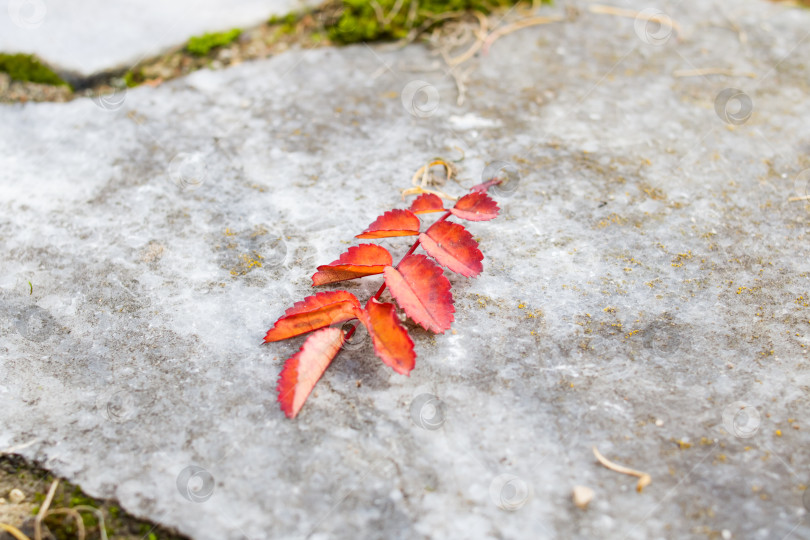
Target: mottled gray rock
pixel 645 290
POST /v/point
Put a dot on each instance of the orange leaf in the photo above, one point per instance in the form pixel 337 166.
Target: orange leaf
pixel 391 341
pixel 453 247
pixel 427 203
pixel 421 289
pixel 476 206
pixel 359 261
pixel 393 223
pixel 304 368
pixel 314 312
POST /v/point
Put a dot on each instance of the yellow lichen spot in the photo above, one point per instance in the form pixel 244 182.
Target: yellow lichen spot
pixel 721 457
pixel 229 233
pixel 521 306
pixel 571 385
pixel 778 432
pixel 683 445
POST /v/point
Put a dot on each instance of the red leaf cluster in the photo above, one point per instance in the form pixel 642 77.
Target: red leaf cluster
pixel 417 283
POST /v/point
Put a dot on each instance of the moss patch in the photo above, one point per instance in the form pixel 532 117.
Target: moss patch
pixel 26 67
pixel 34 482
pixel 202 45
pixel 360 20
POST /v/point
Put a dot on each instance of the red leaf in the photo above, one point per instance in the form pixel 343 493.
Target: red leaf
pixel 304 368
pixel 427 203
pixel 393 223
pixel 314 312
pixel 421 289
pixel 453 247
pixel 476 206
pixel 359 261
pixel 391 341
pixel 483 187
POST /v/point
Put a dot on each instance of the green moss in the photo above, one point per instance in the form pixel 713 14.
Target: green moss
pixel 359 20
pixel 202 45
pixel 286 24
pixel 63 526
pixel 26 67
pixel 133 78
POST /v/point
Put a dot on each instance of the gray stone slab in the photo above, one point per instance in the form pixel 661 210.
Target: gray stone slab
pixel 88 37
pixel 645 290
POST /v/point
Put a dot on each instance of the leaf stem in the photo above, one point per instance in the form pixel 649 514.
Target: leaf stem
pixel 410 252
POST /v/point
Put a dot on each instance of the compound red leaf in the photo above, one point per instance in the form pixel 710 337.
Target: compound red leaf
pixel 421 289
pixel 393 223
pixel 477 206
pixel 359 261
pixel 314 312
pixel 427 203
pixel 391 341
pixel 453 247
pixel 302 370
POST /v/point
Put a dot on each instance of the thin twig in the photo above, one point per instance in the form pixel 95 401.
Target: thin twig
pixel 711 71
pixel 519 25
pixel 479 41
pixel 801 198
pixel 633 14
pixel 644 479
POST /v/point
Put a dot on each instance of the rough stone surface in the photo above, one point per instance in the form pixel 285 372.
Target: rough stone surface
pixel 645 290
pixel 90 36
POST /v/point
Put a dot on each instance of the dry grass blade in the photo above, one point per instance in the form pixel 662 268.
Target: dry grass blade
pixel 519 25
pixel 644 479
pixel 633 14
pixel 80 532
pixel 13 531
pixel 43 510
pixel 99 515
pixel 711 71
